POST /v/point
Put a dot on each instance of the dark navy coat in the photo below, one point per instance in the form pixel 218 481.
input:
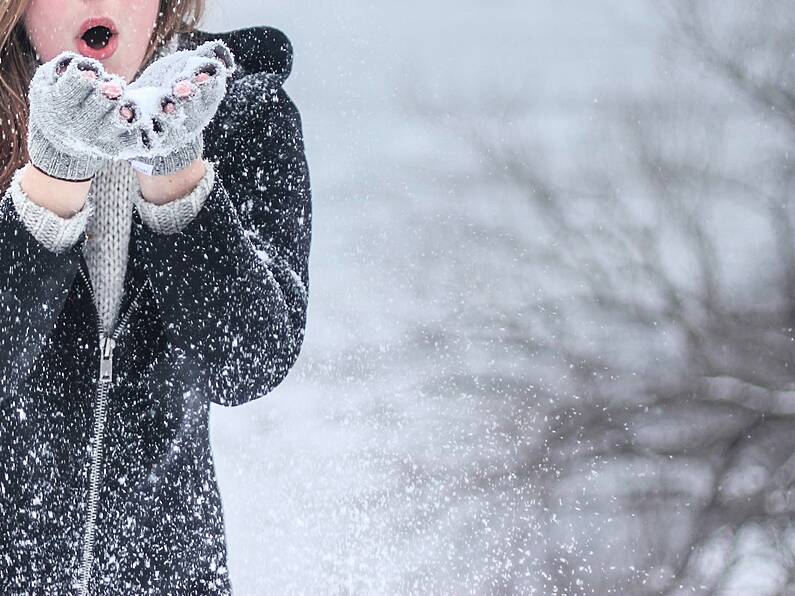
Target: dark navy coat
pixel 108 486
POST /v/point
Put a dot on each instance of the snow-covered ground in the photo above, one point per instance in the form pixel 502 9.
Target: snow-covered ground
pixel 384 463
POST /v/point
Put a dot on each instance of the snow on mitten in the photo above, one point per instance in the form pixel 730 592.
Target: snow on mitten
pixel 178 95
pixel 75 125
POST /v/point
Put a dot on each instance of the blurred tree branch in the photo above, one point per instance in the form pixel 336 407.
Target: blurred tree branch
pixel 670 451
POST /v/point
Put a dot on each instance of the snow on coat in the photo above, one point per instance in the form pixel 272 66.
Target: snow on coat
pixel 110 487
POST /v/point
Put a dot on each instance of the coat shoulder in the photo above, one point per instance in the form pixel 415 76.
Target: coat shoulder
pixel 257 117
pixel 260 50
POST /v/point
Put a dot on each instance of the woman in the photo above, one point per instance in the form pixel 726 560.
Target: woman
pixel 138 286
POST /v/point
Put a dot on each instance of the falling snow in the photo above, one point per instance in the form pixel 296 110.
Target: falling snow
pixel 546 348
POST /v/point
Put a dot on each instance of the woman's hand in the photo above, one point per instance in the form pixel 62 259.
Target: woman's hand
pixel 178 96
pixel 81 117
pixel 78 118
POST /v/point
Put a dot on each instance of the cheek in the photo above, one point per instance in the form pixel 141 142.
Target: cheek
pixel 136 30
pixel 141 20
pixel 47 25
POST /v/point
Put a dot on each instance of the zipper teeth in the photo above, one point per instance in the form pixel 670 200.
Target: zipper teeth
pixel 103 389
pixel 93 495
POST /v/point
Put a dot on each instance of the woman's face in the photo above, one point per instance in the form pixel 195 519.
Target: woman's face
pixel 54 26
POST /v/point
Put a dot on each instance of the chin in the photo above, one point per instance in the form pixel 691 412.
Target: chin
pixel 113 67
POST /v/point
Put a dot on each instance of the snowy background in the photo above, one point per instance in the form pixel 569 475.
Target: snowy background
pixel 368 471
pixel 503 339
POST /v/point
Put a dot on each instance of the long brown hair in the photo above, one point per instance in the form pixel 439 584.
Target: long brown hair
pixel 18 64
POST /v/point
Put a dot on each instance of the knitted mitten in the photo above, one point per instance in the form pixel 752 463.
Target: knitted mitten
pixel 178 95
pixel 75 124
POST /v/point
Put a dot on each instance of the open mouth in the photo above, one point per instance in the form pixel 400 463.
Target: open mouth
pixel 97 38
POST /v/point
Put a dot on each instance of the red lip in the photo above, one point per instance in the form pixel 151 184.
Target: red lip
pixel 96 22
pixel 102 53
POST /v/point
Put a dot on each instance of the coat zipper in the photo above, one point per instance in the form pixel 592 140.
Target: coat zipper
pixel 106 344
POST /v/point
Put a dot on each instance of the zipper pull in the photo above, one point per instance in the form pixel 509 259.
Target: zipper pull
pixel 106 359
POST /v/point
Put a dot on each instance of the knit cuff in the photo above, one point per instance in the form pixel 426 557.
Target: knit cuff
pixel 58 164
pixel 172 217
pixel 56 233
pixel 173 162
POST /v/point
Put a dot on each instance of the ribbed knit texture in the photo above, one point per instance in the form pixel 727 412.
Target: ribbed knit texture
pixel 171 217
pixel 55 232
pixel 108 237
pixel 107 219
pixel 76 148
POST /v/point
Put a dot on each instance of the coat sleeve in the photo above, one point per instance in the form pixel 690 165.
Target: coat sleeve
pixel 232 285
pixel 34 284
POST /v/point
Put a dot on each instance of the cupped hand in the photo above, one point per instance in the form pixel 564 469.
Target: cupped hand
pixel 75 124
pixel 176 97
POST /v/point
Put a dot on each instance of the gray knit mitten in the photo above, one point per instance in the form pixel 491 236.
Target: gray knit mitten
pixel 75 124
pixel 178 95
